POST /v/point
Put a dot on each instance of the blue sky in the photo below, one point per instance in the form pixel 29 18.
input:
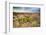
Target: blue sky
pixel 33 9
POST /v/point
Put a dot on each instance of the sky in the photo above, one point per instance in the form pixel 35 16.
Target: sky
pixel 28 9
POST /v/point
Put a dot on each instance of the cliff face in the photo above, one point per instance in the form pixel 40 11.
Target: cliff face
pixel 33 17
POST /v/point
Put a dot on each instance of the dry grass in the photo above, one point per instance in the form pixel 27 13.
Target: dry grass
pixel 33 20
